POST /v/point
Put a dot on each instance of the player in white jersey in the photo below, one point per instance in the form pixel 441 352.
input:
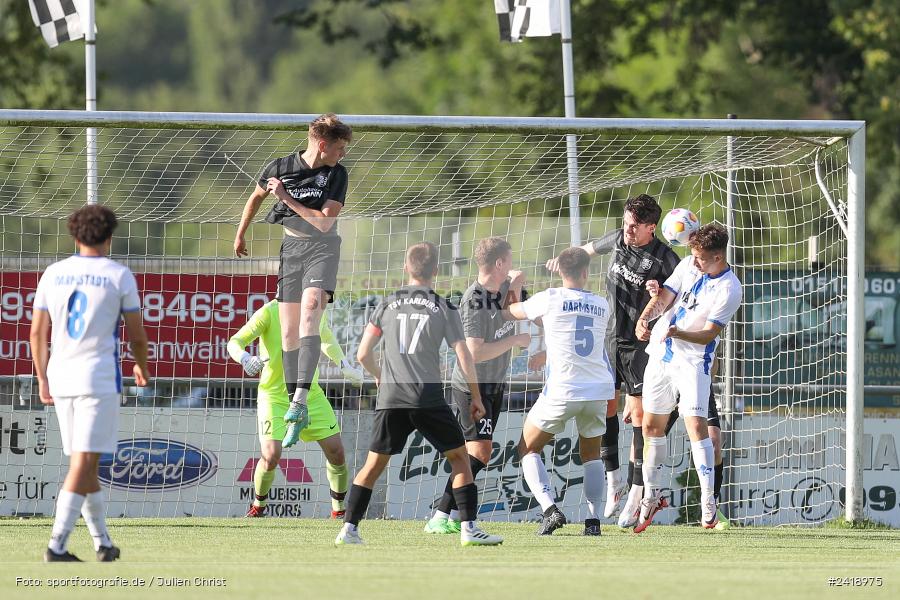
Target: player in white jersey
pixel 84 297
pixel 698 300
pixel 579 383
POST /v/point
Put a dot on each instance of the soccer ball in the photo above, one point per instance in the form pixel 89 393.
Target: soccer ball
pixel 678 226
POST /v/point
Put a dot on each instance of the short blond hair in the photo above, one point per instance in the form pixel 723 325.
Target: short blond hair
pixel 329 128
pixel 422 260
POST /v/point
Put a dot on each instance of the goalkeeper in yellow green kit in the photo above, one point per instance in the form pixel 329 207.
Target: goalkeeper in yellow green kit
pixel 273 403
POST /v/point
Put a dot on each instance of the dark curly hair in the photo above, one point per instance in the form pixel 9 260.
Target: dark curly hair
pixel 711 236
pixel 93 224
pixel 644 208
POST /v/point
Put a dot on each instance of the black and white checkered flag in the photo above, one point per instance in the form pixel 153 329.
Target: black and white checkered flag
pixel 526 18
pixel 58 20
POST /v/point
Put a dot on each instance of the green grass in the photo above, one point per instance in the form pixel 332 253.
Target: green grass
pixel 296 559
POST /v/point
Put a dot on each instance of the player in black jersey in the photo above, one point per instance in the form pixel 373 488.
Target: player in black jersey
pixel 490 338
pixel 638 257
pixel 412 323
pixel 311 187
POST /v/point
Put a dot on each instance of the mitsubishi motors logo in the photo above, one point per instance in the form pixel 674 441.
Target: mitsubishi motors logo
pixel 293 469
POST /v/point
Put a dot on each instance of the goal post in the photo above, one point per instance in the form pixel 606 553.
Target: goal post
pixel 792 390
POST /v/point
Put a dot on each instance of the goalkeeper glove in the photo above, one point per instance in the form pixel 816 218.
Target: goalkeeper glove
pixel 351 373
pixel 292 435
pixel 252 364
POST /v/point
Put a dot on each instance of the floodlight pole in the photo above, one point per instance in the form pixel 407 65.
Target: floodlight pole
pixel 565 27
pixel 90 97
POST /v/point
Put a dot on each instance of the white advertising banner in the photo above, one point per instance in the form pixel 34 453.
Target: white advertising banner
pixel 175 463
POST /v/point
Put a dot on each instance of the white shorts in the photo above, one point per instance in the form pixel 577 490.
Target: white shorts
pixel 88 423
pixel 662 381
pixel 551 416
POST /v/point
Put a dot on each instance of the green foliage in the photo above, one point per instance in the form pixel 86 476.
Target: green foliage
pixel 672 58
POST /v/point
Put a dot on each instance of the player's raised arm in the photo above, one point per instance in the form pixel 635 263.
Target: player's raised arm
pixel 137 342
pixel 703 337
pixel 250 210
pixel 323 220
pixel 552 265
pixel 658 305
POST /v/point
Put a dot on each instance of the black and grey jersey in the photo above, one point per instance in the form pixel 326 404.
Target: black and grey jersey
pixel 414 321
pixel 481 312
pixel 310 187
pixel 629 270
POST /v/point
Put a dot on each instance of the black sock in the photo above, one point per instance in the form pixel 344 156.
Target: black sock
pixel 717 480
pixel 637 476
pixel 466 501
pixel 357 503
pixel 609 444
pixel 289 363
pixel 448 502
pixel 630 479
pixel 308 360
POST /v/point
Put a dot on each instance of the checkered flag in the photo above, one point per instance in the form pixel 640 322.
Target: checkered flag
pixel 58 20
pixel 526 18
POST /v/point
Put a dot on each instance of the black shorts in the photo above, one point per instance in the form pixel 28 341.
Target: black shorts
pixel 307 263
pixel 393 425
pixel 712 419
pixel 491 397
pixel 631 362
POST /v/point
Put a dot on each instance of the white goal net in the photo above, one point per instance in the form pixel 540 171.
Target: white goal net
pixel 188 442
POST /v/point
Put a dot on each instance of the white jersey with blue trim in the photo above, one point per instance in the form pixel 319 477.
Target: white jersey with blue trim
pixel 699 299
pixel 85 297
pixel 575 324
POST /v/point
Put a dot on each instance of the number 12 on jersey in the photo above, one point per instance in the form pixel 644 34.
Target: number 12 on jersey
pixel 414 342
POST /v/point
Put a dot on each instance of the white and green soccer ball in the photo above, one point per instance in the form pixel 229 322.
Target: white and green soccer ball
pixel 678 225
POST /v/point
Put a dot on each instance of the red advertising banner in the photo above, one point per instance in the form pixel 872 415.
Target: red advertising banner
pixel 188 318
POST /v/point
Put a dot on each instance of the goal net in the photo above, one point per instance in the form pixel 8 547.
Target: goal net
pixel 178 183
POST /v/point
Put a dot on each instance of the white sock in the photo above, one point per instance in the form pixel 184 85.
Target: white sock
pixel 468 525
pixel 655 451
pixel 538 479
pixel 94 512
pixel 704 460
pixel 635 493
pixel 593 486
pixel 454 515
pixel 300 395
pixel 614 479
pixel 68 508
pixel 438 514
pixel 349 527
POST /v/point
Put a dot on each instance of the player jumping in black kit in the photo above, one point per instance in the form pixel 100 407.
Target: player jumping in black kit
pixel 311 187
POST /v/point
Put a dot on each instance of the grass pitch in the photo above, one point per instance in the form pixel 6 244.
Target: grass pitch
pixel 217 558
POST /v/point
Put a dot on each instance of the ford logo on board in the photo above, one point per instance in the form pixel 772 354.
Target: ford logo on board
pixel 156 465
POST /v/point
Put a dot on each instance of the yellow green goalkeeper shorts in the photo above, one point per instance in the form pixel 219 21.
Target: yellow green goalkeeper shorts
pixel 322 421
